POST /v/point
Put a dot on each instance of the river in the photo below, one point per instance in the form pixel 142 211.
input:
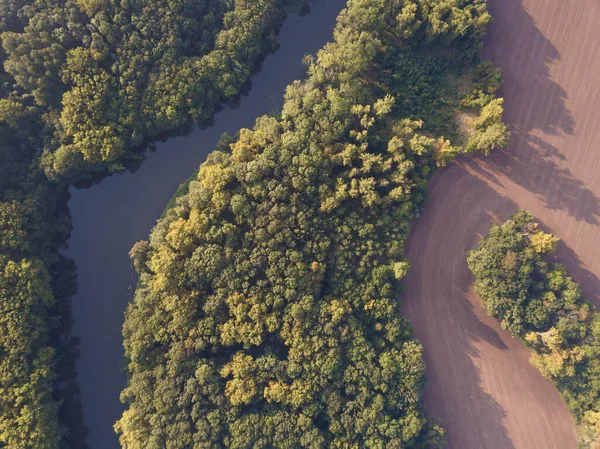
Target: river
pixel 110 217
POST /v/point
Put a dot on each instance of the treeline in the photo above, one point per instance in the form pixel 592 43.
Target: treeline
pixel 83 86
pixel 31 231
pixel 108 75
pixel 267 313
pixel 540 304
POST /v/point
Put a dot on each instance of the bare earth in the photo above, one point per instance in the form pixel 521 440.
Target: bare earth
pixel 480 383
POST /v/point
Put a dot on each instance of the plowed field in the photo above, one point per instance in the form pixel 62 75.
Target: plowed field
pixel 480 383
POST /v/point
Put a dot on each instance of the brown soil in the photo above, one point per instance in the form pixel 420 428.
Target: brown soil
pixel 480 383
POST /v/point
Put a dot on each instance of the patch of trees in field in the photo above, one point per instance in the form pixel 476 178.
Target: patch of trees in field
pixel 540 304
pixel 83 84
pixel 267 313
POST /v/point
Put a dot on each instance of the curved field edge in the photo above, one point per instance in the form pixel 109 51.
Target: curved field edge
pixel 491 392
pixel 266 311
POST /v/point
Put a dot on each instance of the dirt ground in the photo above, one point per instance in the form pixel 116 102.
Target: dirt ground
pixel 480 383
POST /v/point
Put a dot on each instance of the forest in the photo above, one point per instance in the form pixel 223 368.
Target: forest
pixel 523 286
pixel 84 85
pixel 107 76
pixel 266 312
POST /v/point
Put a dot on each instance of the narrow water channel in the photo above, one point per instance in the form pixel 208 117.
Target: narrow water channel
pixel 110 217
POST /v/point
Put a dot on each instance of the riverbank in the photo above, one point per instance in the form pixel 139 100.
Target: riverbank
pixel 110 217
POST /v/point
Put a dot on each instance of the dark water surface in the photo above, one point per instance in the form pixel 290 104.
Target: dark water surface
pixel 110 217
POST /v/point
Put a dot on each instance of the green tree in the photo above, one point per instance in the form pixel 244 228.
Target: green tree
pixel 540 304
pixel 266 313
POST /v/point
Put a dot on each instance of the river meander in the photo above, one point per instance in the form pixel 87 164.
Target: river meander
pixel 110 217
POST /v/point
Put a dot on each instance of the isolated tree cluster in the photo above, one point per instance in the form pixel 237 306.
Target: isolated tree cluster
pixel 538 302
pixel 266 313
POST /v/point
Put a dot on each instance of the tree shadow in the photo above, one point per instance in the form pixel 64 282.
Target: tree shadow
pixel 564 254
pixel 525 55
pixel 448 317
pixel 493 434
pixel 466 352
pixel 589 281
pixel 535 108
pixel 480 328
pixel 451 326
pixel 455 393
pixel 66 385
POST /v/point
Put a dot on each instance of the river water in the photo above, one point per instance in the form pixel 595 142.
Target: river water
pixel 110 217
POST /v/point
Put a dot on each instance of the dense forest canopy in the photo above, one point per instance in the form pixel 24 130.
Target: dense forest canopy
pixel 31 229
pixel 267 313
pixel 83 85
pixel 538 302
pixel 108 75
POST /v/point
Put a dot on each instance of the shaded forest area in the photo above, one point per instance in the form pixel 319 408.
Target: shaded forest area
pixel 84 85
pixel 266 313
pixel 541 305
